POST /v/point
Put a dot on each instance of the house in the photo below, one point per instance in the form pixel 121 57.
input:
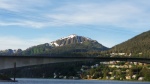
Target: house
pixel 84 68
pixel 127 70
pixel 88 77
pixel 96 65
pixel 107 77
pixel 130 54
pixel 65 77
pixel 112 78
pixel 140 64
pixel 130 63
pixel 118 61
pixel 113 54
pixel 128 77
pixel 110 73
pixel 135 63
pixel 130 66
pixel 92 66
pixel 112 66
pixel 140 53
pixel 125 66
pixel 141 78
pixel 145 64
pixel 112 62
pixel 106 63
pixel 133 76
pixel 117 66
pixel 121 53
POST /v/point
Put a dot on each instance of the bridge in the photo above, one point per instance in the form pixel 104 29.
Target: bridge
pixel 7 62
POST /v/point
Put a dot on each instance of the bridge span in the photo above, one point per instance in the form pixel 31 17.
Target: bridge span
pixel 7 62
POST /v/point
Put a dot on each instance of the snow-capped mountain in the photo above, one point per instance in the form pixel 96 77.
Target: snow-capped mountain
pixel 69 45
pixel 64 46
pixel 71 39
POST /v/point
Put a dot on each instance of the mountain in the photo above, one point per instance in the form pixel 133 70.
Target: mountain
pixel 69 45
pixel 138 46
pixel 71 39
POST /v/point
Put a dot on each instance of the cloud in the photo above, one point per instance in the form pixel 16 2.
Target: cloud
pixel 128 14
pixel 32 24
pixel 124 15
pixel 7 42
pixel 24 13
pixel 9 23
pixel 22 5
pixel 6 6
pixel 92 13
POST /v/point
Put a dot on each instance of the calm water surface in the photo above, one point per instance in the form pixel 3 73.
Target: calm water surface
pixel 62 81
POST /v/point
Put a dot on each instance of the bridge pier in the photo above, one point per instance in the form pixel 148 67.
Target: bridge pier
pixel 14 71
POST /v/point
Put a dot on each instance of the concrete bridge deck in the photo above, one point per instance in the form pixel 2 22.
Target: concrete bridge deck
pixel 8 61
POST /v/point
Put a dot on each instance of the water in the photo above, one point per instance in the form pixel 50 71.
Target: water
pixel 62 81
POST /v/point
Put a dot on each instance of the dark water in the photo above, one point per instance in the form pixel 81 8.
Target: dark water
pixel 62 81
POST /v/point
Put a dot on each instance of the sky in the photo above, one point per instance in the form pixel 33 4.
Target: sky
pixel 26 23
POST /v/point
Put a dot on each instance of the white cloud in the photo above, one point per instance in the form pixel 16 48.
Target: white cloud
pixel 6 6
pixel 125 15
pixel 10 42
pixel 32 24
pixel 22 5
pixel 93 13
pixel 9 23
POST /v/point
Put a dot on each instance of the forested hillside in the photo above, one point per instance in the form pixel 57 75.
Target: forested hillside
pixel 72 49
pixel 138 46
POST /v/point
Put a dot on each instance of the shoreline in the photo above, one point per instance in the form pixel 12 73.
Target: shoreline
pixel 116 80
pixel 75 79
pixel 8 81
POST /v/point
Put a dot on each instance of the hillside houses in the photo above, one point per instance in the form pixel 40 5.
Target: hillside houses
pixel 116 70
pixel 120 54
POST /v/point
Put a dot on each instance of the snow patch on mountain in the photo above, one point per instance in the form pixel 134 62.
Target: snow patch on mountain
pixel 54 43
pixel 69 37
pixel 72 36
